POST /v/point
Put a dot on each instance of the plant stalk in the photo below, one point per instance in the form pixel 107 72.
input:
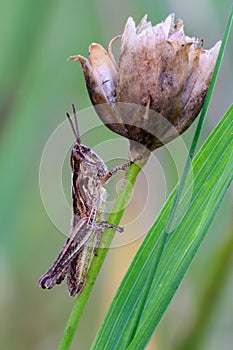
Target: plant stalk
pixel 114 218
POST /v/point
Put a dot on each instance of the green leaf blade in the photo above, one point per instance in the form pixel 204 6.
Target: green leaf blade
pixel 213 173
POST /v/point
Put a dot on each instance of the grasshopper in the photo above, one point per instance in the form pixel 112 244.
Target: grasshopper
pixel 89 174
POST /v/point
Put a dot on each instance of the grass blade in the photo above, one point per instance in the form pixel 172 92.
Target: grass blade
pixel 213 173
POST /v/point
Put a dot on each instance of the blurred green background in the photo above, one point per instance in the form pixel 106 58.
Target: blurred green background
pixel 37 87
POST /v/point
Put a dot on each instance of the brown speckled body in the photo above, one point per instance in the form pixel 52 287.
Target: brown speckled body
pixel 88 196
pixel 89 174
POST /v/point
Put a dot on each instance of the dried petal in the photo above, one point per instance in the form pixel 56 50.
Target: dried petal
pixel 159 86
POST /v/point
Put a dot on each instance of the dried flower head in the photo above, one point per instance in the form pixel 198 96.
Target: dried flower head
pixel 157 89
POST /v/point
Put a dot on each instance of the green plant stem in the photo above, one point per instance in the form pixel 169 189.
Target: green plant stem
pixel 114 218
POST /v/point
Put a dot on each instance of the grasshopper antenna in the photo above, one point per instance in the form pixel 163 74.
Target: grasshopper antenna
pixel 74 127
pixel 76 122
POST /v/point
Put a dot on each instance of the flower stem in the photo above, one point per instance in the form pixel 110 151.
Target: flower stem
pixel 114 218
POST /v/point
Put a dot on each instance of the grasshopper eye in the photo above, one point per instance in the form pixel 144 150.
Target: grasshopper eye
pixel 78 155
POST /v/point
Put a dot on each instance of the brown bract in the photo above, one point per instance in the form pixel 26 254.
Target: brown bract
pixel 157 89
